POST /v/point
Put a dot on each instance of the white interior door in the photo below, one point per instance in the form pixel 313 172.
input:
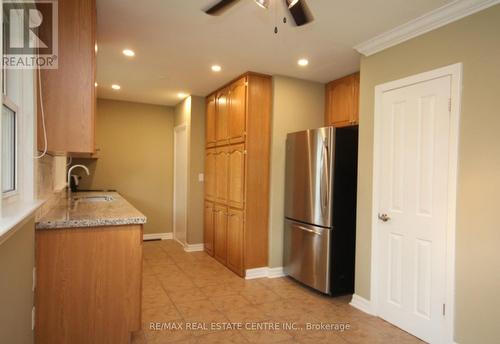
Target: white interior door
pixel 413 207
pixel 180 183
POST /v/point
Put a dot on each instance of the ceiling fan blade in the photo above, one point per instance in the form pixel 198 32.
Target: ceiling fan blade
pixel 300 12
pixel 220 7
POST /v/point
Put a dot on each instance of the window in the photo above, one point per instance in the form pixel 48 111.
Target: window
pixel 17 142
pixel 9 149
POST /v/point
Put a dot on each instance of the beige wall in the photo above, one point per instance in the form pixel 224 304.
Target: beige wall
pixel 474 41
pixel 297 105
pixel 182 113
pixel 191 112
pixel 16 281
pixel 196 166
pixel 135 158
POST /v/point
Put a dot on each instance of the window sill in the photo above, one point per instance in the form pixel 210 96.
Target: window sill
pixel 13 215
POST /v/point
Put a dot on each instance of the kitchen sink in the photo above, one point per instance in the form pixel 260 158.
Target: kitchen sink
pixel 93 199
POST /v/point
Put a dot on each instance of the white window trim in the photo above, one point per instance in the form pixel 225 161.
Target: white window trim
pixel 13 107
pixel 17 208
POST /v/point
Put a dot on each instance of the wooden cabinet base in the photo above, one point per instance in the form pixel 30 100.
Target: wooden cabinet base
pixel 237 172
pixel 89 284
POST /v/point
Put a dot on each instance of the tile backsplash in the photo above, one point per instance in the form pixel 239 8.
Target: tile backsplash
pixel 51 181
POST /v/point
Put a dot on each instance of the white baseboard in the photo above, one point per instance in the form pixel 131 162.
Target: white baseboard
pixel 256 273
pixel 194 247
pixel 158 236
pixel 264 272
pixel 362 304
pixel 275 272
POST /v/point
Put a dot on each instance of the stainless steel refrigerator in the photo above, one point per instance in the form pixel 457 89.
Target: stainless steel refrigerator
pixel 320 208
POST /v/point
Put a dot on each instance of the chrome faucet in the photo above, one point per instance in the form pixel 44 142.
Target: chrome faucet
pixel 69 175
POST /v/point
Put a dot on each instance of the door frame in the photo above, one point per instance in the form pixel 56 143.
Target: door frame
pixel 455 72
pixel 177 129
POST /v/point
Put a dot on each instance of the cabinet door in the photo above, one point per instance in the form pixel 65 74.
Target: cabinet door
pixel 342 101
pixel 210 138
pixel 355 99
pixel 237 111
pixel 208 229
pixel 222 117
pixel 69 92
pixel 221 175
pixel 235 227
pixel 210 175
pixel 236 182
pixel 220 234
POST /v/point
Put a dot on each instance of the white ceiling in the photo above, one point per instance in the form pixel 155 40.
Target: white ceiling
pixel 176 43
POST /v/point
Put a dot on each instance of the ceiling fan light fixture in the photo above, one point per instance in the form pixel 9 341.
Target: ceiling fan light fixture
pixel 262 3
pixel 291 3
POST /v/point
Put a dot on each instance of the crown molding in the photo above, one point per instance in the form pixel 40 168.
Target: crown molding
pixel 430 21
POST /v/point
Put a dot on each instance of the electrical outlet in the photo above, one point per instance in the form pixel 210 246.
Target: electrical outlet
pixel 201 177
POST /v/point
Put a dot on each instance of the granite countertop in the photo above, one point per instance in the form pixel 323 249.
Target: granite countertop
pixel 74 213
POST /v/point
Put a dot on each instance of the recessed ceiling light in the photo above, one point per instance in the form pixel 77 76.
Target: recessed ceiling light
pixel 216 68
pixel 128 52
pixel 303 62
pixel 182 95
pixel 115 87
pixel 263 3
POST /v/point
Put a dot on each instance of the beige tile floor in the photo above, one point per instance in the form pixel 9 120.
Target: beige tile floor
pixel 180 288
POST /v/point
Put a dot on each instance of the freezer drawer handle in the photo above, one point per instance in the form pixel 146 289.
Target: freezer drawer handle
pixel 308 230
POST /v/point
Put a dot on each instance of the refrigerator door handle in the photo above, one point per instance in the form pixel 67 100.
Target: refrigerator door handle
pixel 308 230
pixel 325 178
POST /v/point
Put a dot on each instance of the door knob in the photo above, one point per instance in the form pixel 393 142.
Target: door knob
pixel 383 217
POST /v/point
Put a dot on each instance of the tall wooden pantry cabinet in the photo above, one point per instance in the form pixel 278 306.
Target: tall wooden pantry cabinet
pixel 238 119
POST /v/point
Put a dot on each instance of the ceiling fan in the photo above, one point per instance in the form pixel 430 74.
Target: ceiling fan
pixel 297 8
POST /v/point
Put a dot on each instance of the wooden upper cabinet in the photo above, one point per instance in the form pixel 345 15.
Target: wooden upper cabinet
pixel 208 228
pixel 210 122
pixel 342 101
pixel 221 174
pixel 236 182
pixel 220 233
pixel 210 175
pixel 222 117
pixel 69 94
pixel 234 238
pixel 237 111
